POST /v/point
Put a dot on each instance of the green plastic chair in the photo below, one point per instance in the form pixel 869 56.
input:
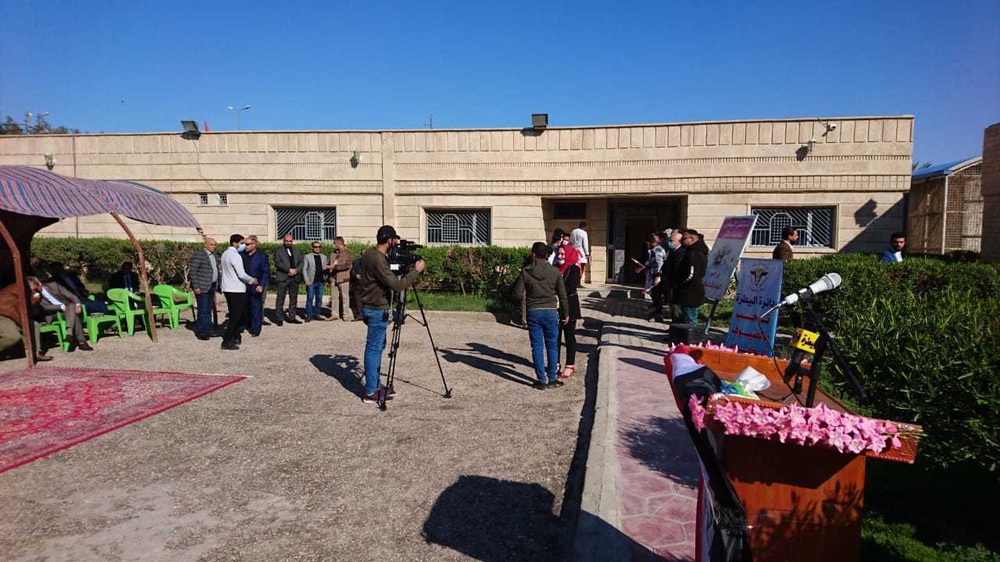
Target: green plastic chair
pixel 94 321
pixel 56 326
pixel 168 296
pixel 119 300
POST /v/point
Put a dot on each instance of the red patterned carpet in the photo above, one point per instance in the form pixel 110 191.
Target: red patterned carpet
pixel 47 409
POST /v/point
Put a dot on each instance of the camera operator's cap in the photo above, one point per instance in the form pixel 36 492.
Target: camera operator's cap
pixel 385 233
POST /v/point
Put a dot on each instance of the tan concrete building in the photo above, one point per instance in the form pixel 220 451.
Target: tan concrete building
pixel 841 180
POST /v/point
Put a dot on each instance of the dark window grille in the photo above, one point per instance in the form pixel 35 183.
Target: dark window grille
pixel 815 226
pixel 567 210
pixel 307 224
pixel 467 227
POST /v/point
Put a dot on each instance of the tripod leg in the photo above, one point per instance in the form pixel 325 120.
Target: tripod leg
pixel 437 355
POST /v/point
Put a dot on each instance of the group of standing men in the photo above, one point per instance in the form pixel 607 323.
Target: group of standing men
pixel 675 265
pixel 242 275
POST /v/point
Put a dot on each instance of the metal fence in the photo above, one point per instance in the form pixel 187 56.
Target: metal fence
pixel 307 224
pixel 459 227
pixel 815 226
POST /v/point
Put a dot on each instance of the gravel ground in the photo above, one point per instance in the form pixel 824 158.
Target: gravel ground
pixel 291 465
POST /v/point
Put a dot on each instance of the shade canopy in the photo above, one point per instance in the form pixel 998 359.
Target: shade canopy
pixel 40 193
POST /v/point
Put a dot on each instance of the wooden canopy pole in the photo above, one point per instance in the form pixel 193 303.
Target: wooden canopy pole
pixel 27 328
pixel 142 276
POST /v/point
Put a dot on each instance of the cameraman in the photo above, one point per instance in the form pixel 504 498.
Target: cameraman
pixel 377 281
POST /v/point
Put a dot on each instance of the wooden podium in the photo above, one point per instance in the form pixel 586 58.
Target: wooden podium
pixel 801 502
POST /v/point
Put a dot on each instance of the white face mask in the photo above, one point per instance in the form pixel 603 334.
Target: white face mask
pixel 241 248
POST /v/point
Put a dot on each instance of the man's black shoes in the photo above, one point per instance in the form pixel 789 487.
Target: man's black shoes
pixel 293 321
pixel 204 337
pixel 539 386
pixel 555 384
pixel 279 322
pixel 230 347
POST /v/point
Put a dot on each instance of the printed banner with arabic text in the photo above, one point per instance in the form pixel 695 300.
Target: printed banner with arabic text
pixel 726 251
pixel 758 290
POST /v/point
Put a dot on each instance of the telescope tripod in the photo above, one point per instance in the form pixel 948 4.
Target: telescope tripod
pixel 399 315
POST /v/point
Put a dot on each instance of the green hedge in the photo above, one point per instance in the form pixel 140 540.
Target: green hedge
pixel 924 336
pixel 484 271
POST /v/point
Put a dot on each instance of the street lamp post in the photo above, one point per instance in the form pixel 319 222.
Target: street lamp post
pixel 27 120
pixel 239 114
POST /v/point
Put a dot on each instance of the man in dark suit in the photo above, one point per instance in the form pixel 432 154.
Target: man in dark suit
pixel 288 273
pixel 895 252
pixel 256 265
pixel 70 279
pixel 124 278
pixel 783 251
pixel 56 298
pixel 203 274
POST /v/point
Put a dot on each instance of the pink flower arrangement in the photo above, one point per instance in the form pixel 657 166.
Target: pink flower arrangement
pixel 804 426
pixel 717 347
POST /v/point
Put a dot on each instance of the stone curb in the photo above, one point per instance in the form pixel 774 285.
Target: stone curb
pixel 597 536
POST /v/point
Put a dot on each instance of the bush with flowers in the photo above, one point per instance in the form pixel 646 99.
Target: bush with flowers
pixel 821 425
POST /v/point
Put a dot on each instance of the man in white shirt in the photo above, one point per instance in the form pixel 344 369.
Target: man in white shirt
pixel 234 286
pixel 581 242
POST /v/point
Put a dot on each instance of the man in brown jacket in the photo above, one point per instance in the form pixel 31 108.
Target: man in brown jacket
pixel 10 316
pixel 783 251
pixel 340 262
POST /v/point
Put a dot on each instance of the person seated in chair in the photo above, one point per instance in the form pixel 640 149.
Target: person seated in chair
pixel 69 278
pixel 126 279
pixel 55 299
pixel 10 316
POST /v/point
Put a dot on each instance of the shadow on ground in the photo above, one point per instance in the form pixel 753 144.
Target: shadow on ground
pixel 500 520
pixel 481 357
pixel 343 368
pixel 663 445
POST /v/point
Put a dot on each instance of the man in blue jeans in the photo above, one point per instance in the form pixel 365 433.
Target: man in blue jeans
pixel 543 292
pixel 376 284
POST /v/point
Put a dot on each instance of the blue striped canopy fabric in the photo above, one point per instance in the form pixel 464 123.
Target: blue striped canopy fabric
pixel 30 191
pixel 34 192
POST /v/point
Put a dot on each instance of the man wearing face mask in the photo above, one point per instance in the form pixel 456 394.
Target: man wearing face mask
pixel 675 253
pixel 234 287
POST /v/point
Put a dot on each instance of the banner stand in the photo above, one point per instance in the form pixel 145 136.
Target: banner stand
pixel 711 314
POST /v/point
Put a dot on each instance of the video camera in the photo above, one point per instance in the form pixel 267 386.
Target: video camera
pixel 402 256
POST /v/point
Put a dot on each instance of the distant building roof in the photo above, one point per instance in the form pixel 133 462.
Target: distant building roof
pixel 945 169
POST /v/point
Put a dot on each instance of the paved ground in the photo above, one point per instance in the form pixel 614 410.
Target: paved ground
pixel 290 464
pixel 639 499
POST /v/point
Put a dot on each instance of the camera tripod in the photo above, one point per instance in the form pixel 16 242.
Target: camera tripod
pixel 399 315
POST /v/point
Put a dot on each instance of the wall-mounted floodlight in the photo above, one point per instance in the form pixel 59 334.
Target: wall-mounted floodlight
pixel 191 131
pixel 539 121
pixel 50 161
pixel 355 159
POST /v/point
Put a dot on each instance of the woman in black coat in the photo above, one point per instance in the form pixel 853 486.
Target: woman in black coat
pixel 568 262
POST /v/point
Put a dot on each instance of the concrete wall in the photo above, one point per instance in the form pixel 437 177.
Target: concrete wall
pixel 862 168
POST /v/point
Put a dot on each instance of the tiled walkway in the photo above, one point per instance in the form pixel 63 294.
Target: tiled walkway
pixel 639 495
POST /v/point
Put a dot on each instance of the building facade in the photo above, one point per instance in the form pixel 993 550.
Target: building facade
pixel 841 181
pixel 945 208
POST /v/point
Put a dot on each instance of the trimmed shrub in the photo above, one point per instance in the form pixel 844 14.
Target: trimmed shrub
pixel 484 271
pixel 924 337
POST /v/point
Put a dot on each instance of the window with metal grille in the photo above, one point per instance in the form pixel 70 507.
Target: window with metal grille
pixel 223 199
pixel 307 224
pixel 567 210
pixel 815 226
pixel 458 226
pixel 203 199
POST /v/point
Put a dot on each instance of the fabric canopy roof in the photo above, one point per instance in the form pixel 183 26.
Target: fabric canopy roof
pixel 35 192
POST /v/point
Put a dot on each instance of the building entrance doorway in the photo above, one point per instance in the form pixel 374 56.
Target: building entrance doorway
pixel 630 222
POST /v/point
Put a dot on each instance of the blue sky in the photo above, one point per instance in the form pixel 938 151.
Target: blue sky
pixel 120 66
